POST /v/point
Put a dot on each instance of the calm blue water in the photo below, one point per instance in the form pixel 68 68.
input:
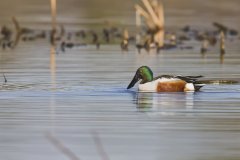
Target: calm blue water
pixel 75 105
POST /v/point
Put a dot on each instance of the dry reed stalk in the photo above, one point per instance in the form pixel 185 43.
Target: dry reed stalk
pixel 151 12
pixel 142 12
pixel 222 43
pixel 138 18
pixel 125 34
pixel 124 43
pixel 53 13
pixel 138 24
pixel 53 66
pixel 18 31
pixel 159 36
pixel 154 18
pixel 16 23
pixel 158 8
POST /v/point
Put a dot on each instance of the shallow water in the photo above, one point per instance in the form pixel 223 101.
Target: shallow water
pixel 75 104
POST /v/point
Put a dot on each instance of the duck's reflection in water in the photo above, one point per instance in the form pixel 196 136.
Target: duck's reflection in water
pixel 165 103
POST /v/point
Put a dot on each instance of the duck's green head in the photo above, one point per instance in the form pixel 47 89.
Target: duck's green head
pixel 144 73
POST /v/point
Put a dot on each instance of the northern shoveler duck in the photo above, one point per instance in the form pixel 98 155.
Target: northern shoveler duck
pixel 164 83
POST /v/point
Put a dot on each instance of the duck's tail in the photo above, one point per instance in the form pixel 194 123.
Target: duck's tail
pixel 198 86
pixel 194 80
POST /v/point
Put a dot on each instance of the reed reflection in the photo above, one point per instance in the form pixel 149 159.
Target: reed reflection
pixel 53 66
pixel 53 63
pixel 53 85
